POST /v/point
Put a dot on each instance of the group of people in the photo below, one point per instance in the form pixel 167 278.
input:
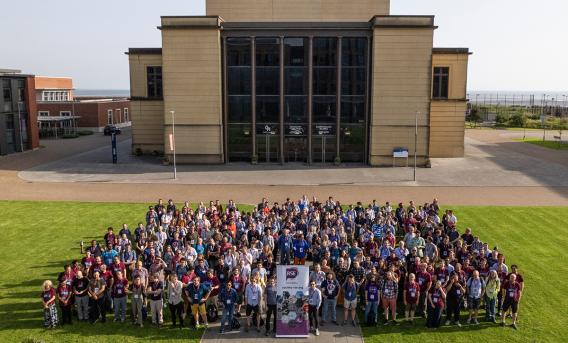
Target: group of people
pixel 200 261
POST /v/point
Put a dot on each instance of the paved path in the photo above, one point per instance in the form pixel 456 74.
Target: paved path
pixel 329 333
pixel 496 171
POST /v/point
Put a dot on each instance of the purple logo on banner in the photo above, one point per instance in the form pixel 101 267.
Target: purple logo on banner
pixel 291 273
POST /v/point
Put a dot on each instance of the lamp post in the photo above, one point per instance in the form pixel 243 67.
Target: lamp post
pixel 415 141
pixel 20 126
pixel 173 141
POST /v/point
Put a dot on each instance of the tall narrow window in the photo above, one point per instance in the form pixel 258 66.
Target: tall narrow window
pixel 441 82
pixel 154 75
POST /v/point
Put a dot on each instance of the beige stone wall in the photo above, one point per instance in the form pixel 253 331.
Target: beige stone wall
pixel 297 10
pixel 138 64
pixel 447 122
pixel 402 64
pixel 458 72
pixel 192 87
pixel 147 125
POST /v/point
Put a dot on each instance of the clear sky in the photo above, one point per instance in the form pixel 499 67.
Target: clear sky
pixel 518 45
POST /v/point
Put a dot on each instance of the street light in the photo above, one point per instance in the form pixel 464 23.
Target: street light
pixel 173 141
pixel 20 126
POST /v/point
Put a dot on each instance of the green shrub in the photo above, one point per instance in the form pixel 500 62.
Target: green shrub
pixel 500 118
pixel 518 120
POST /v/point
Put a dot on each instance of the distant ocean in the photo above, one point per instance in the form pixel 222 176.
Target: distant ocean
pixel 102 92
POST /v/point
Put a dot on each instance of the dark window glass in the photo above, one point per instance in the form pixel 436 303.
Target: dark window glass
pixel 296 109
pixel 154 79
pixel 296 80
pixel 267 80
pixel 267 51
pixel 324 109
pixel 353 81
pixel 240 109
pixel 441 82
pixel 239 142
pixel 325 51
pixel 239 80
pixel 238 51
pixel 267 109
pixel 352 142
pixel 353 51
pixel 352 109
pixel 325 81
pixel 6 91
pixel 295 51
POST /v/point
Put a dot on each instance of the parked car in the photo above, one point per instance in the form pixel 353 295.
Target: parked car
pixel 110 129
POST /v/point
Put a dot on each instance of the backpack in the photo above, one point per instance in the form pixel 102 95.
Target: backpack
pixel 235 325
pixel 212 314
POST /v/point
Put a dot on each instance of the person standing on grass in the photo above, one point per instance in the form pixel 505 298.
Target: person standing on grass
pixel 253 295
pixel 330 288
pixel 155 294
pixel 64 293
pixel 436 298
pixel 350 299
pixel 389 292
pixel 454 291
pixel 270 304
pixel 492 288
pixel 97 288
pixel 228 297
pixel 411 296
pixel 425 282
pixel 137 301
pixel 475 291
pixel 511 292
pixel 120 296
pixel 48 293
pixel 314 303
pixel 198 294
pixel 80 290
pixel 175 303
pixel 372 289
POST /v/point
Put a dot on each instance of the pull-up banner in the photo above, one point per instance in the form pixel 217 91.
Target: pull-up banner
pixel 292 301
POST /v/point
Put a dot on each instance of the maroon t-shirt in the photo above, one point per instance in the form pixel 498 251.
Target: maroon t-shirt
pixel 412 292
pixel 46 295
pixel 423 279
pixel 63 291
pixel 437 299
pixel 119 288
pixel 512 290
pixel 120 267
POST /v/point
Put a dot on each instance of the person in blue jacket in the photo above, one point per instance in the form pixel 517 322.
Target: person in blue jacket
pixel 301 247
pixel 228 297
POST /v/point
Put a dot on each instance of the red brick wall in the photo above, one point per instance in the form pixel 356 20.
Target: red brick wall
pixel 33 130
pixel 93 114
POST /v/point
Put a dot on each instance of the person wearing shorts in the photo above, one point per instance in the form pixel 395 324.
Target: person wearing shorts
pixel 253 295
pixel 197 295
pixel 475 291
pixel 511 293
pixel 350 299
pixel 411 297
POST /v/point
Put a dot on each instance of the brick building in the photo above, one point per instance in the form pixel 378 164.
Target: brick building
pixel 18 129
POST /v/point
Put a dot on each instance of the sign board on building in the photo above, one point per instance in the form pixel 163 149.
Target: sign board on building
pixel 296 130
pixel 400 153
pixel 324 130
pixel 267 129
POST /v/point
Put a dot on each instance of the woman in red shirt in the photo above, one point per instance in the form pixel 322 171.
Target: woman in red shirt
pixel 49 310
pixel 411 296
pixel 436 298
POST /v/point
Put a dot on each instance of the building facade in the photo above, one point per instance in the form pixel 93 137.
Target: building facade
pixel 18 130
pixel 60 112
pixel 284 81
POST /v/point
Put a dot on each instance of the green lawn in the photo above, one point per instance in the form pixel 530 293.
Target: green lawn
pixel 39 237
pixel 546 144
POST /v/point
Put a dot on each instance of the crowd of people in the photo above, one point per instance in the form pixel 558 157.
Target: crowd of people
pixel 199 262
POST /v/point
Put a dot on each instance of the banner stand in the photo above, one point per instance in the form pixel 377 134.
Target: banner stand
pixel 292 284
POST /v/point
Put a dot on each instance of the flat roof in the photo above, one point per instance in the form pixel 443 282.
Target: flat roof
pixel 451 51
pixel 144 51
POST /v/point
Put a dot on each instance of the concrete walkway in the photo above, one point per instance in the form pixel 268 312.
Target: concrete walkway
pixel 329 333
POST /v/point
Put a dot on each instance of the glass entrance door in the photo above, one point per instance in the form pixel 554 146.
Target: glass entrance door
pixel 323 149
pixel 296 149
pixel 267 148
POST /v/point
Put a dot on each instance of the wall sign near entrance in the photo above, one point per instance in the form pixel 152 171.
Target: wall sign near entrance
pixel 267 129
pixel 295 130
pixel 324 130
